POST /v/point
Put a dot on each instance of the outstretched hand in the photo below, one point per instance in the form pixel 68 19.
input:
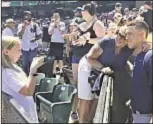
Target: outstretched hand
pixel 107 70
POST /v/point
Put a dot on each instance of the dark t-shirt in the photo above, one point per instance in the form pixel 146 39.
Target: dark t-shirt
pixel 46 36
pixel 141 86
pixel 148 19
pixel 148 66
pixel 121 86
pixel 109 58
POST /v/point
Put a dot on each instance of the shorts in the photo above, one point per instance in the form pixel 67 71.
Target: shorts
pixel 84 88
pixel 75 59
pixel 56 49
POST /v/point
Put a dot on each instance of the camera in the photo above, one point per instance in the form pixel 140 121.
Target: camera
pixel 47 67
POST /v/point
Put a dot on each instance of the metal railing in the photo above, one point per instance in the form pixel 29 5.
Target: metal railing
pixel 103 111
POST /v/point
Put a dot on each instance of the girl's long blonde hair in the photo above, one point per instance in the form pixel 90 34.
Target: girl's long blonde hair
pixel 8 42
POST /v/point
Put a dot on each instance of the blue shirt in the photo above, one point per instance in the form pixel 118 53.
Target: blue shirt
pixel 148 66
pixel 141 86
pixel 108 58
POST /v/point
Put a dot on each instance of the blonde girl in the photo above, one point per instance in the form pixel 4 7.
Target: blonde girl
pixel 15 83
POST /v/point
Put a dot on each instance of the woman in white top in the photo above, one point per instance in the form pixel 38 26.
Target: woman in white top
pixel 10 25
pixel 15 83
pixel 56 30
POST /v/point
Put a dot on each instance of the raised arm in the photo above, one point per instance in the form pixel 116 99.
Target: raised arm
pixel 99 31
pixel 51 29
pixel 21 29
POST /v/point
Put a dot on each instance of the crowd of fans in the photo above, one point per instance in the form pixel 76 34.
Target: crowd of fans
pixel 104 42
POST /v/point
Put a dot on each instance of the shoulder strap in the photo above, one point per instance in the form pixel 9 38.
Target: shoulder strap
pixel 94 23
pixel 35 28
pixel 90 27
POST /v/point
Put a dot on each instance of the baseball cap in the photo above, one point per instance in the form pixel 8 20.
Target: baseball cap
pixel 148 3
pixel 27 12
pixel 78 9
pixel 118 5
pixel 10 20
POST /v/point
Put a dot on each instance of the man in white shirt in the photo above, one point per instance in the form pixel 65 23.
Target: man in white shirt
pixel 10 25
pixel 56 30
pixel 30 33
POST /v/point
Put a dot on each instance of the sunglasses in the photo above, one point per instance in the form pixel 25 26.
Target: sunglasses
pixel 117 33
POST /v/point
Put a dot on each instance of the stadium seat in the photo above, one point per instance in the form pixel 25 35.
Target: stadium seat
pixel 38 79
pixel 46 85
pixel 56 106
